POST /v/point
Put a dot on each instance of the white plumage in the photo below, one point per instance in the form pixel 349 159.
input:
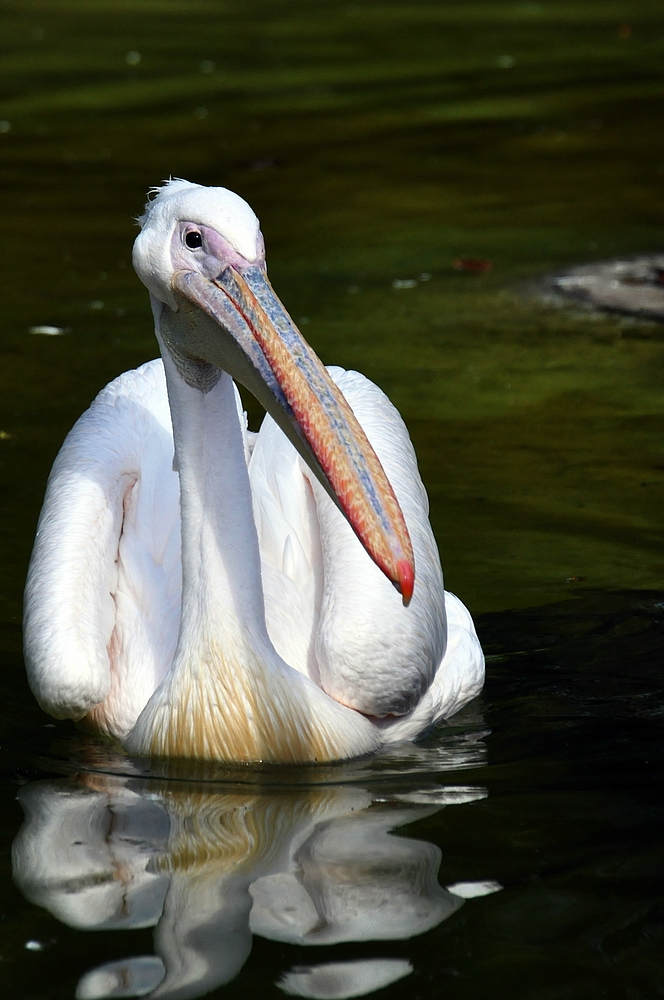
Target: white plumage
pixel 274 574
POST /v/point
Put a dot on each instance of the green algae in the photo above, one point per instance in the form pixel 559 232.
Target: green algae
pixel 378 143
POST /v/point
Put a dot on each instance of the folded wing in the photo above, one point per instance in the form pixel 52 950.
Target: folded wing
pixel 103 591
pixel 330 610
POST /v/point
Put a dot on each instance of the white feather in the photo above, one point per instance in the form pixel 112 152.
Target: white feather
pixel 105 573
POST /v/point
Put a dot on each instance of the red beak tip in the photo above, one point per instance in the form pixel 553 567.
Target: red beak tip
pixel 406 580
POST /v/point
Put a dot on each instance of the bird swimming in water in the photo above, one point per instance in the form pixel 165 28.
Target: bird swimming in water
pixel 196 590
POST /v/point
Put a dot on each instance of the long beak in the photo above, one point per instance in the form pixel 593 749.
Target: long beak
pixel 267 353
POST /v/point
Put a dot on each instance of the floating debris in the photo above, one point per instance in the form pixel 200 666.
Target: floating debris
pixel 574 579
pixel 5 436
pixel 634 286
pixel 474 264
pixel 399 283
pixel 96 304
pixel 207 66
pixel 5 126
pixel 133 58
pixel 505 62
pixel 34 946
pixel 48 331
pixel 200 113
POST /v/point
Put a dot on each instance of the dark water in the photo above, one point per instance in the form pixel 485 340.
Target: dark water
pixel 378 143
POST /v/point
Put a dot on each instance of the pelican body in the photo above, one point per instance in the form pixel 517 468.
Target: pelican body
pixel 196 590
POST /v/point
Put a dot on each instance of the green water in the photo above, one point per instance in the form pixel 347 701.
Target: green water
pixel 380 142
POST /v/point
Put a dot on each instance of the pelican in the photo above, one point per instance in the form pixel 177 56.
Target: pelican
pixel 196 590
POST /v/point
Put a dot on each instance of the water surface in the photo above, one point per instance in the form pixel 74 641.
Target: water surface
pixel 378 144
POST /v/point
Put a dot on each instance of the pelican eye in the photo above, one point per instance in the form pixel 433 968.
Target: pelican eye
pixel 193 240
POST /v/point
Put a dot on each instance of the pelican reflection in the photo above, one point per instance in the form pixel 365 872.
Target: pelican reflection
pixel 210 868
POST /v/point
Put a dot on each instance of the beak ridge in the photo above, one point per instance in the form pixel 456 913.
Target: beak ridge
pixel 344 460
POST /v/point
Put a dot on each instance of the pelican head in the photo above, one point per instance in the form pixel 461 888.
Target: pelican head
pixel 201 255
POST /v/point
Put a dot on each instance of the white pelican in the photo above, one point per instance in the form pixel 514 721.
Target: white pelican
pixel 195 590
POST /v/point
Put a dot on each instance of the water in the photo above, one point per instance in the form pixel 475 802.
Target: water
pixel 378 144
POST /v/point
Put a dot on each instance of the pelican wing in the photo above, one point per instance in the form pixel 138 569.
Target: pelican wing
pixel 330 611
pixel 103 591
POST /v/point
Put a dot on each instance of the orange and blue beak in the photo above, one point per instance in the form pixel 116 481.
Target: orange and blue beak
pixel 262 348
